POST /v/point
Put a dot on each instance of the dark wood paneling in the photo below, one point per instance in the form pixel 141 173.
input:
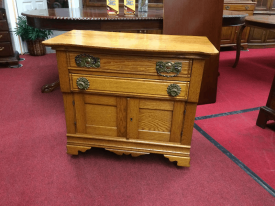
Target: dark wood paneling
pixel 199 18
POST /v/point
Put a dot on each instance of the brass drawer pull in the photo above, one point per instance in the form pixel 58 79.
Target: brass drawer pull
pixel 86 60
pixel 247 7
pixel 168 67
pixel 82 83
pixel 1 36
pixel 173 90
pixel 2 48
pixel 227 7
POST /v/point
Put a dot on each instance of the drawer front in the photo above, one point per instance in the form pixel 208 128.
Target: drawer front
pixel 132 87
pixel 6 49
pixel 4 25
pixel 239 7
pixel 132 64
pixel 4 36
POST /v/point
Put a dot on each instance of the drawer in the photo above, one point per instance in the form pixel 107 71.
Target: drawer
pixel 4 25
pixel 130 86
pixel 131 64
pixel 6 49
pixel 5 36
pixel 239 7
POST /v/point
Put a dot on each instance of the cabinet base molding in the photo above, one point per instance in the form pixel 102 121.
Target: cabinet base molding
pixel 120 146
pixel 73 150
pixel 181 161
pixel 124 152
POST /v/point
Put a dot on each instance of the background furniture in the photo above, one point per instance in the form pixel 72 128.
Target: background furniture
pixel 131 93
pixel 7 56
pixel 267 112
pixel 198 18
pixel 258 21
pixel 229 34
pixel 261 37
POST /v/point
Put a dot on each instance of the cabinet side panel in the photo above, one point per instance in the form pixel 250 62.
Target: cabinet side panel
pixel 188 123
pixel 63 71
pixel 69 112
pixel 177 121
pixel 195 82
pixel 80 113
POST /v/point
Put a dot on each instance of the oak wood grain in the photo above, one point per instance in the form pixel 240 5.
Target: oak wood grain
pixel 135 42
pixel 132 118
pixel 177 121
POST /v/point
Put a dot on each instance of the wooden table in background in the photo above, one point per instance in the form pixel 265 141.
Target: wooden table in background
pixel 266 112
pixel 96 18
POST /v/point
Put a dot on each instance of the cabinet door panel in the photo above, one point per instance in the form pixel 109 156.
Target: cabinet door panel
pixel 228 34
pixel 270 36
pixel 256 35
pixel 155 120
pixel 100 115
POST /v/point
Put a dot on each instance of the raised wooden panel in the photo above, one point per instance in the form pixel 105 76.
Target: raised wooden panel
pixel 228 35
pixel 270 37
pixel 100 99
pixel 100 115
pixel 156 104
pixel 257 35
pixel 155 120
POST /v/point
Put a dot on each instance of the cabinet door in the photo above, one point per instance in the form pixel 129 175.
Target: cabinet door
pixel 257 35
pixel 228 34
pixel 154 119
pixel 100 115
pixel 272 5
pixel 270 36
pixel 262 5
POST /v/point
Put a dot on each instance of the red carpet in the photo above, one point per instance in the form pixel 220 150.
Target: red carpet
pixel 35 169
pixel 254 146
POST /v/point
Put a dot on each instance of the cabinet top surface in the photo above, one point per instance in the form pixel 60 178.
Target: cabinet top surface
pixel 173 44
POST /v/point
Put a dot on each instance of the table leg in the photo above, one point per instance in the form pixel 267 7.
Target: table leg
pixel 47 88
pixel 239 39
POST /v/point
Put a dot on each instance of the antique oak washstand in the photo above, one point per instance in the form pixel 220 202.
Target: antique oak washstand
pixel 131 93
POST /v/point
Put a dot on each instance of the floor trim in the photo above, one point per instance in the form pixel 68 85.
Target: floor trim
pixel 227 113
pixel 236 160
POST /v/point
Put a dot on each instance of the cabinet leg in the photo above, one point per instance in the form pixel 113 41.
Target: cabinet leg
pixel 181 161
pixel 73 150
pixel 239 38
pixel 265 114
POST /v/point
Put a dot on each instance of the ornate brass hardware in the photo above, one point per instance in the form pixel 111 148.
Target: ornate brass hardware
pixel 1 36
pixel 82 83
pixel 173 90
pixel 168 67
pixel 227 7
pixel 2 48
pixel 247 7
pixel 86 60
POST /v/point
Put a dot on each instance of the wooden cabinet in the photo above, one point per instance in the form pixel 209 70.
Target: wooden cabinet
pixel 130 93
pixel 229 34
pixel 7 56
pixel 259 37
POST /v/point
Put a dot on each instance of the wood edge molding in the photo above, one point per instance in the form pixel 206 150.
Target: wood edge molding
pixel 181 161
pixel 168 148
pixel 73 150
pixel 125 152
